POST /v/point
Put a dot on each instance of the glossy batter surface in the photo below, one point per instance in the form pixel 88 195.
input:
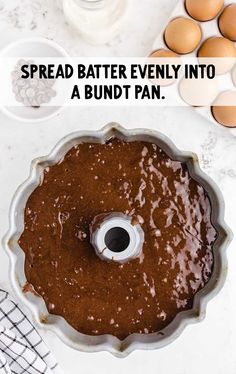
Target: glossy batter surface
pixel 145 294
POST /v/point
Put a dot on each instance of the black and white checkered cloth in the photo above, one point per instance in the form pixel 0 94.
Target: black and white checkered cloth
pixel 22 349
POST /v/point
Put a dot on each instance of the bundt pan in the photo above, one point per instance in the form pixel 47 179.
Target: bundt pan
pixel 36 304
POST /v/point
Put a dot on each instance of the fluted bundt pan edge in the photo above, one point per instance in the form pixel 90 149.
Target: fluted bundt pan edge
pixel 36 304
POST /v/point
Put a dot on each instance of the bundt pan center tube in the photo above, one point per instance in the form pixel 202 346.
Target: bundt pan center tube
pixel 116 237
pixel 117 240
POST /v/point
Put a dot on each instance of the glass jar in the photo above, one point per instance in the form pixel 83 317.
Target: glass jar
pixel 98 21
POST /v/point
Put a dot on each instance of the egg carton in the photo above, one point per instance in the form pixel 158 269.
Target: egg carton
pixel 209 29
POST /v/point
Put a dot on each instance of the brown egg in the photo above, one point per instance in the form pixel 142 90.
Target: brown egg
pixel 227 22
pixel 183 35
pixel 204 10
pixel 165 53
pixel 224 109
pixel 219 47
pixel 198 92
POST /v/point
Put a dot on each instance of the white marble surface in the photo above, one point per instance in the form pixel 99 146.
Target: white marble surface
pixel 208 347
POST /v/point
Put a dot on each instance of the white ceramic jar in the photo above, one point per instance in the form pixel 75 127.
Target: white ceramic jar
pixel 98 21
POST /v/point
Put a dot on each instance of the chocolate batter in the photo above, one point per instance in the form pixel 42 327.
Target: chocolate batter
pixel 145 294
